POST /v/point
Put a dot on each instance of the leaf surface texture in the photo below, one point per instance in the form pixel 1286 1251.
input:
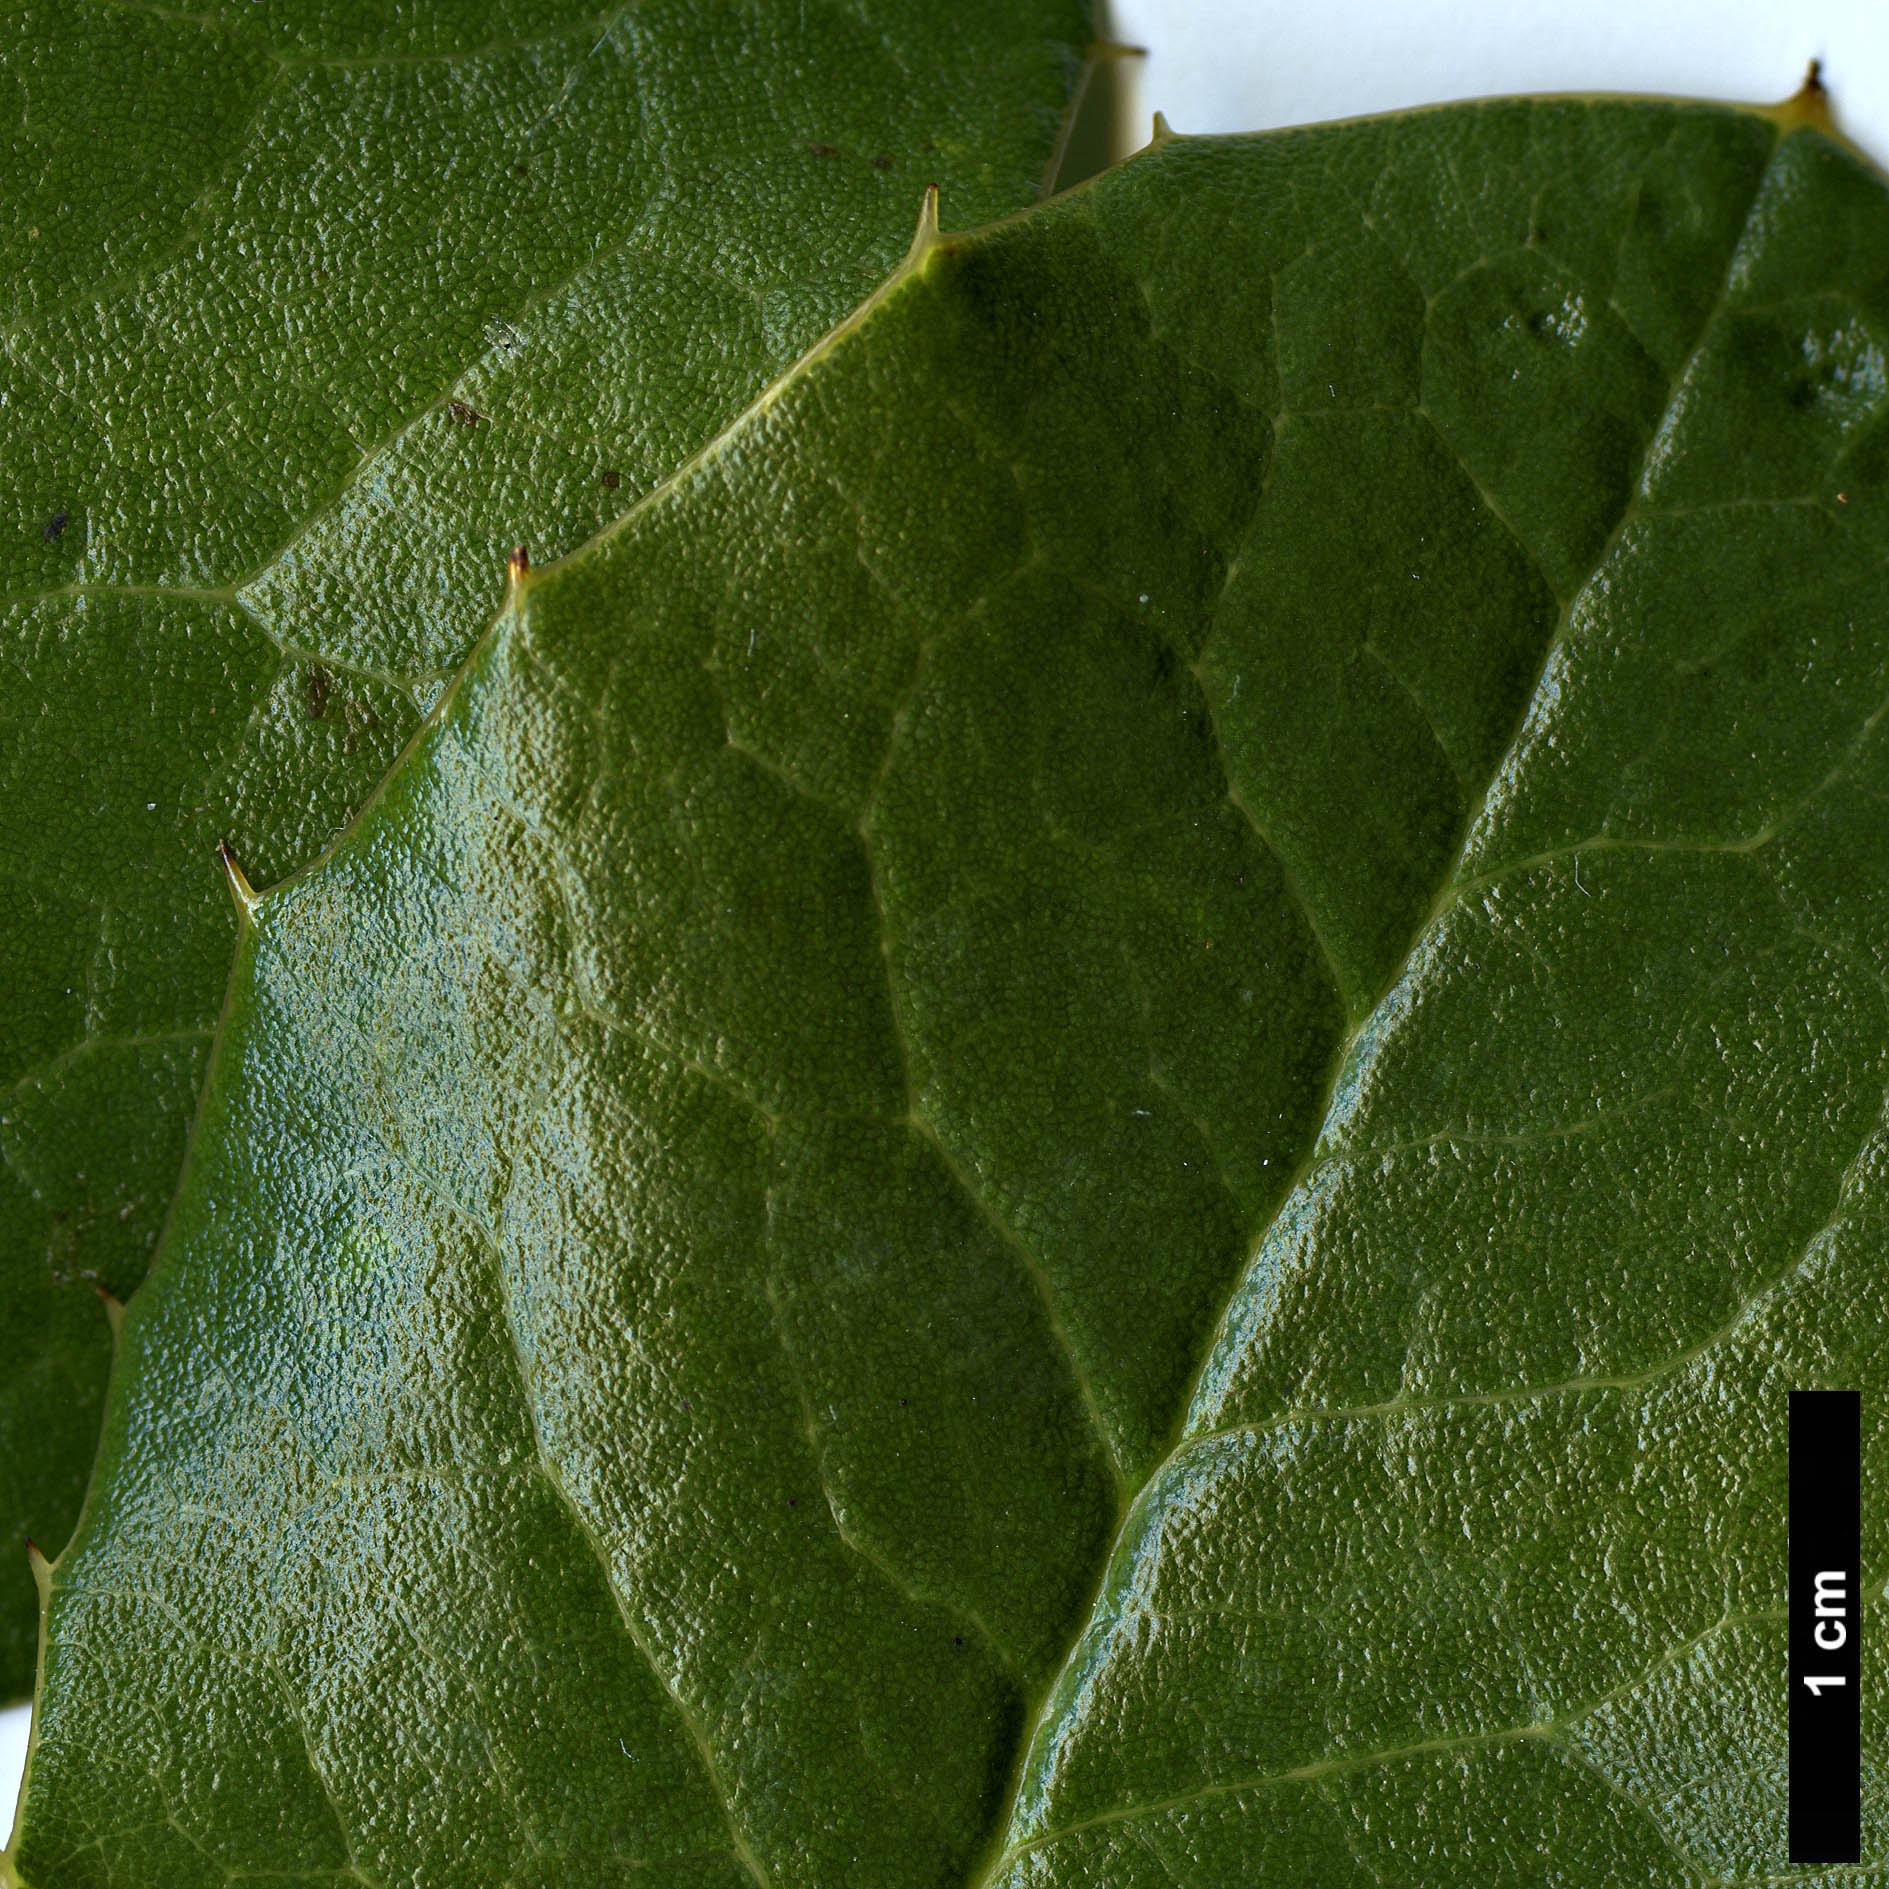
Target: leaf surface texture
pixel 310 313
pixel 1076 1126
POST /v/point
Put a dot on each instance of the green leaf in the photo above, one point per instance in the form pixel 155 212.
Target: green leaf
pixel 1075 1127
pixel 314 311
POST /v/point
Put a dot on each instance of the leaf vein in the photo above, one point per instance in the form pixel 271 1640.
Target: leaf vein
pixel 1445 894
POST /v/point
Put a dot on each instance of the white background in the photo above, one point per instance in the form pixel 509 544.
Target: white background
pixel 1224 65
pixel 1241 65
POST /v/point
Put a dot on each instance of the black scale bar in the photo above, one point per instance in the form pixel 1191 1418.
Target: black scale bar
pixel 1825 1627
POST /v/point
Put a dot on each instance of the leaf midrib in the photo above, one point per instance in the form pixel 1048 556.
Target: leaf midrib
pixel 985 1877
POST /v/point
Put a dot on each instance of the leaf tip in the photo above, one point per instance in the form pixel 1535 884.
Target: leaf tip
pixel 114 1310
pixel 240 889
pixel 1163 131
pixel 42 1570
pixel 519 564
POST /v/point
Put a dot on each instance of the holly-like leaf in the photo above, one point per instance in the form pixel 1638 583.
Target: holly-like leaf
pixel 312 311
pixel 1205 918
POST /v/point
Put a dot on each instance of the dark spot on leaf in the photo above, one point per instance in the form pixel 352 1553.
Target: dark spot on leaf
pixel 55 525
pixel 318 682
pixel 883 162
pixel 824 150
pixel 793 1502
pixel 611 479
pixel 957 1639
pixel 519 170
pixel 1163 663
pixel 465 415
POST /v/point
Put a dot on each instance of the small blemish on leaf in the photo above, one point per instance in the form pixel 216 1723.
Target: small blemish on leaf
pixel 466 416
pixel 1563 324
pixel 824 150
pixel 62 1257
pixel 318 683
pixel 1841 374
pixel 883 162
pixel 611 478
pixel 52 529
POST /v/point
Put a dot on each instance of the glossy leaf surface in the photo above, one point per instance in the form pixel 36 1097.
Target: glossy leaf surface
pixel 311 312
pixel 1208 914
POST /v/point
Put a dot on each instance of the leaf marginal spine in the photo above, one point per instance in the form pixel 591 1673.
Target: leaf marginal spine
pixel 240 889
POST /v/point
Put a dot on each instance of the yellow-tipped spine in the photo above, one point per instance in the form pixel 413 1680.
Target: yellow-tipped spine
pixel 240 889
pixel 925 237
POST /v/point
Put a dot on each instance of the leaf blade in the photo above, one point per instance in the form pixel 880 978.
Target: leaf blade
pixel 652 800
pixel 1636 1408
pixel 367 301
